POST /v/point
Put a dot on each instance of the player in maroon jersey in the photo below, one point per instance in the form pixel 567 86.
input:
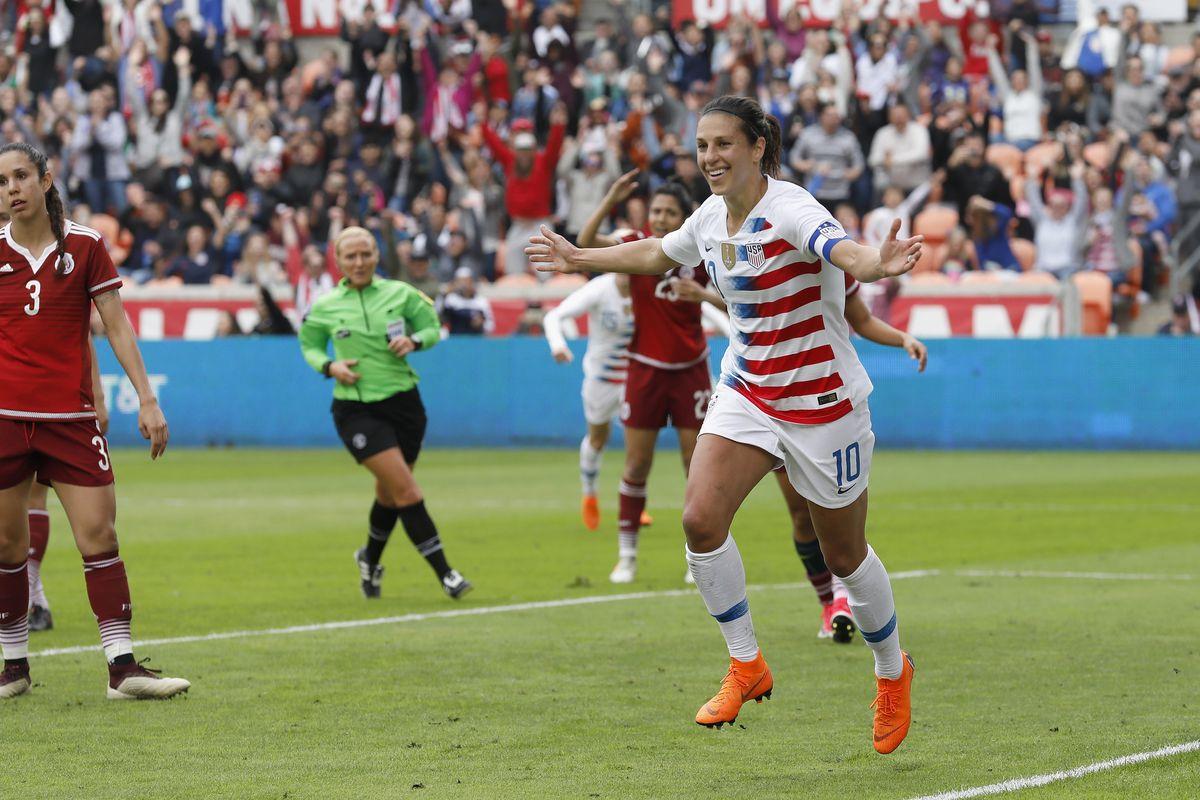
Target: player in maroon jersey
pixel 51 271
pixel 40 618
pixel 668 378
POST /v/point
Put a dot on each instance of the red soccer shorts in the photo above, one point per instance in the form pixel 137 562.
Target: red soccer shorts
pixel 72 452
pixel 653 396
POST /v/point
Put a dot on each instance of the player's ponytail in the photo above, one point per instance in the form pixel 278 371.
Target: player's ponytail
pixel 756 124
pixel 54 203
pixel 58 216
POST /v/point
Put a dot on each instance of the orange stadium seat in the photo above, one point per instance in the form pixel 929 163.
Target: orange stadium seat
pixel 1026 253
pixel 1039 157
pixel 1180 56
pixel 521 280
pixel 930 278
pixel 110 229
pixel 932 259
pixel 1095 299
pixel 1007 158
pixel 935 223
pixel 1037 277
pixel 980 276
pixel 567 282
pixel 1098 154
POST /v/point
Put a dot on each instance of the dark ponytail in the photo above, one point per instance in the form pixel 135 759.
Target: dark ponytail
pixel 756 124
pixel 680 193
pixel 54 203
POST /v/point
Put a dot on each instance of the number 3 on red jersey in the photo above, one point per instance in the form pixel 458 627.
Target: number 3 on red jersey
pixel 35 298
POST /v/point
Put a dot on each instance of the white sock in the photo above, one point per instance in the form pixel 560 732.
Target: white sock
pixel 870 593
pixel 721 579
pixel 37 593
pixel 627 545
pixel 839 588
pixel 589 465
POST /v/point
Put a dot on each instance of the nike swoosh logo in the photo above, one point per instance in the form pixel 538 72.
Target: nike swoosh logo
pixel 844 490
pixel 707 249
pixel 879 738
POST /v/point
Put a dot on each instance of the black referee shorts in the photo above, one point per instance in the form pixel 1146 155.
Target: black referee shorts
pixel 370 428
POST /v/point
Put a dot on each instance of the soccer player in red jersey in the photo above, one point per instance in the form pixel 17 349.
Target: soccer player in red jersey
pixel 792 392
pixel 40 618
pixel 668 377
pixel 51 271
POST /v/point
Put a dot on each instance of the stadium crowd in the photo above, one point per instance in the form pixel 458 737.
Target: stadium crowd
pixel 455 132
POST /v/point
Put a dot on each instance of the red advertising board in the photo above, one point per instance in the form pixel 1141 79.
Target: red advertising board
pixel 987 316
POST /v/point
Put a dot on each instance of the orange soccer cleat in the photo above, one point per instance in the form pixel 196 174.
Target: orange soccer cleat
pixel 745 681
pixel 646 520
pixel 591 512
pixel 893 708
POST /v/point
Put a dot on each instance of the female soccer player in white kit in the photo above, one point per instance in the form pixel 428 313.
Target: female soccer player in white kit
pixel 792 391
pixel 609 310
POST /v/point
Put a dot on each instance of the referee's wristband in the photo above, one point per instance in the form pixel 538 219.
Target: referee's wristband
pixel 325 368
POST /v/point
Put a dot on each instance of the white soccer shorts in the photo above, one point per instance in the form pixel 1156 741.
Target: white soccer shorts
pixel 828 464
pixel 601 400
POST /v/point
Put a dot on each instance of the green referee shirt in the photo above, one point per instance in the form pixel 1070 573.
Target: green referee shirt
pixel 360 324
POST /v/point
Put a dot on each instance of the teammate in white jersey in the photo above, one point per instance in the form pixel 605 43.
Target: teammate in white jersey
pixel 792 390
pixel 609 311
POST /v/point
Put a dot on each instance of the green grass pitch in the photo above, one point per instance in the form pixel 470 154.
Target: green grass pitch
pixel 1016 676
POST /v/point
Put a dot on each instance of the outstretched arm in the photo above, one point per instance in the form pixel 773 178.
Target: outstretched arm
pixel 873 329
pixel 866 264
pixel 550 252
pixel 151 421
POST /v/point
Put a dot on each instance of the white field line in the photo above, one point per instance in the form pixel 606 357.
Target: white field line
pixel 448 614
pixel 568 602
pixel 1094 576
pixel 1017 784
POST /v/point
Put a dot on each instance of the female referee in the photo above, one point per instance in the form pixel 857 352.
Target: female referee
pixel 51 272
pixel 792 390
pixel 374 324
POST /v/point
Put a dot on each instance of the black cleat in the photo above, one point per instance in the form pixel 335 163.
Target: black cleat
pixel 455 584
pixel 369 574
pixel 40 619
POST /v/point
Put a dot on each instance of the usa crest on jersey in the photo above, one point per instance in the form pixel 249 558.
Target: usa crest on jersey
pixel 754 255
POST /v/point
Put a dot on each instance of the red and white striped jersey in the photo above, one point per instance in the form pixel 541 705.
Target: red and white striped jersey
pixel 44 322
pixel 790 353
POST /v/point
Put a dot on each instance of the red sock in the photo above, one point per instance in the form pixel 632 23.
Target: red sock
pixel 14 611
pixel 108 592
pixel 39 533
pixel 629 517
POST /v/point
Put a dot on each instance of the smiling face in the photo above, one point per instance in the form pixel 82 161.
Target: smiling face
pixel 357 256
pixel 22 192
pixel 665 215
pixel 726 156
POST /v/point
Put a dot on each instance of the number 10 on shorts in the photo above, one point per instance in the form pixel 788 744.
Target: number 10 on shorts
pixel 849 464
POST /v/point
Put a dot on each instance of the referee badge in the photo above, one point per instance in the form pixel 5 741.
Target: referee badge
pixel 729 254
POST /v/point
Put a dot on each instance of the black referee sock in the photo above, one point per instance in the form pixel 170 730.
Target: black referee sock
pixel 810 554
pixel 383 522
pixel 423 533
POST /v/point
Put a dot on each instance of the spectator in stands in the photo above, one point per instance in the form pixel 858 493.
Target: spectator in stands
pixel 586 173
pixel 1185 320
pixel 1136 101
pixel 160 125
pixel 901 153
pixel 529 191
pixel 960 253
pixel 1095 45
pixel 950 86
pixel 878 71
pixel 878 223
pixel 1076 104
pixel 988 223
pixel 198 263
pixel 98 150
pixel 463 310
pixel 1184 164
pixel 255 265
pixel 1059 223
pixel 969 175
pixel 829 157
pixel 1020 98
pixel 271 319
pixel 455 256
pixel 38 53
